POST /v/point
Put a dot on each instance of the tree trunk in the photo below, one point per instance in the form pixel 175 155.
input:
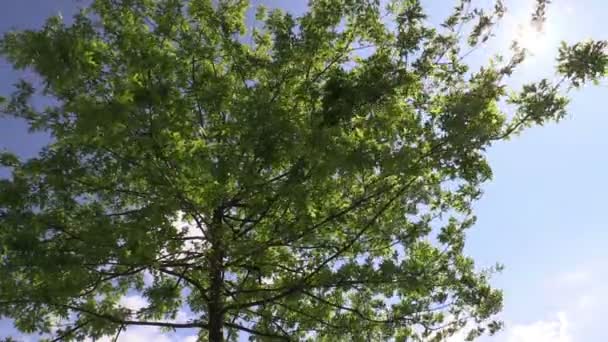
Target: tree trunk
pixel 215 308
pixel 216 324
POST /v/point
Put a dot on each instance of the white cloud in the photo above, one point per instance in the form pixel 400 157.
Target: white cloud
pixel 137 302
pixel 141 334
pixel 192 338
pixel 554 330
pixel 133 302
pixel 586 302
pixel 147 334
pixel 459 336
pixel 148 278
pixel 130 334
pixel 189 229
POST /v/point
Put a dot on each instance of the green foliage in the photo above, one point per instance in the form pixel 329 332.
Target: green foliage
pixel 324 170
pixel 583 61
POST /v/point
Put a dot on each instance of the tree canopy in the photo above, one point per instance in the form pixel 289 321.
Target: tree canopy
pixel 299 178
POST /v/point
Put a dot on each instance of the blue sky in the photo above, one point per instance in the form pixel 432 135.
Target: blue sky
pixel 543 215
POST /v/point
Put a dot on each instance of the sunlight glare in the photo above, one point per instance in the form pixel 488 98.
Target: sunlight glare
pixel 531 39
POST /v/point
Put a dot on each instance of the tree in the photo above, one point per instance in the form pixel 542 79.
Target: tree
pixel 307 179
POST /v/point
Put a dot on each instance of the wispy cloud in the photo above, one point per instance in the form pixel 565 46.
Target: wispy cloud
pixel 552 330
pixel 576 278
